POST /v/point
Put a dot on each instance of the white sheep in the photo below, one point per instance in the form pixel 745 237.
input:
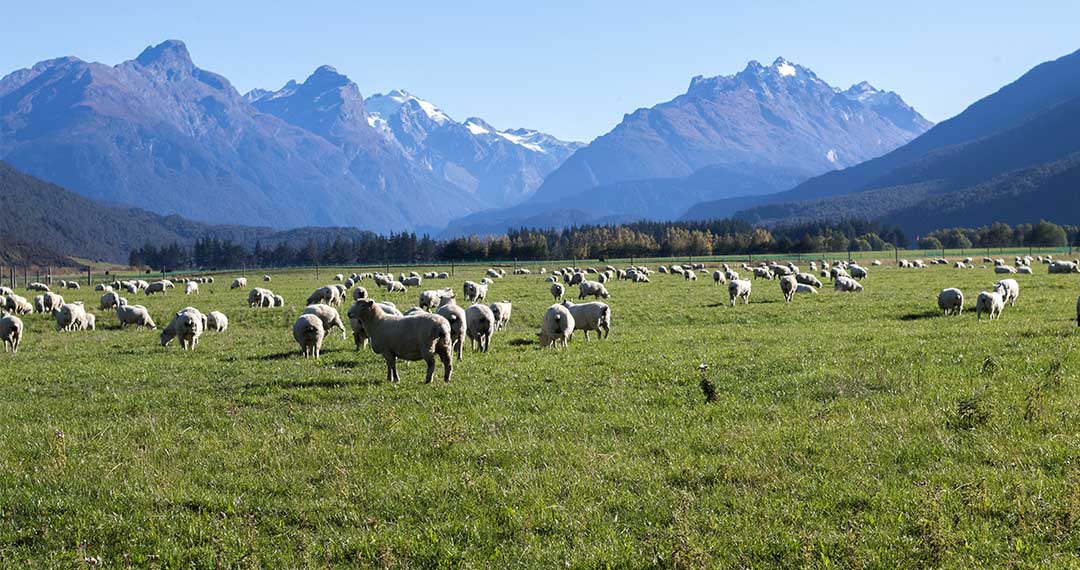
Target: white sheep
pixel 991 302
pixel 71 317
pixel 359 293
pixel 217 321
pixel 557 326
pixel 159 287
pixel 136 315
pixel 857 272
pixel 329 295
pixel 37 287
pixel 191 288
pixel 718 277
pixel 788 284
pixel 396 287
pixel 480 326
pixel 804 288
pixel 359 335
pixel 267 278
pixel 501 310
pixel 309 333
pixel 339 277
pixel 416 337
pixel 431 298
pixel 111 300
pixel 328 315
pixel 846 284
pixel 951 301
pixel 279 301
pixel 187 325
pixel 475 292
pixel 455 315
pixel 807 279
pixel 1003 269
pixel 11 332
pixel 558 291
pixel 17 304
pixel 1009 290
pixel 239 283
pixel 1062 267
pixel 412 281
pixel 259 297
pixel 592 288
pixel 594 316
pixel 739 289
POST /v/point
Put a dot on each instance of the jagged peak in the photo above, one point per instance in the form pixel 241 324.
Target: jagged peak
pixel 168 52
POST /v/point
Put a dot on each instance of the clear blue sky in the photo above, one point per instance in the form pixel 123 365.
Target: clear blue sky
pixel 572 68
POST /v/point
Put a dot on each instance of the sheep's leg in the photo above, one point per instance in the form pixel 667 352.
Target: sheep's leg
pixel 430 360
pixel 389 367
pixel 448 363
pixel 586 334
pixel 459 344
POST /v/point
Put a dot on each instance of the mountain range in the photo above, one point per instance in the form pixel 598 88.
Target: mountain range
pixel 759 131
pixel 159 133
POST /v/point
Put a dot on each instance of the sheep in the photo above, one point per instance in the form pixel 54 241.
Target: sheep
pixel 857 272
pixel 762 273
pixel 593 288
pixel 837 272
pixel 480 326
pixel 455 315
pixel 739 288
pixel 412 281
pixel 474 292
pixel 339 277
pixel 788 284
pixel 731 275
pixel 1009 290
pixel 90 322
pixel 134 315
pixel 558 326
pixel 191 288
pixel 1003 269
pixel 593 316
pixel 187 325
pixel 111 300
pixel 804 288
pixel 876 263
pixel 416 337
pixel 662 269
pixel 359 335
pixel 718 277
pixel 72 285
pixel 238 283
pixel 951 301
pixel 991 302
pixel 11 331
pixel 279 301
pixel 431 298
pixel 38 287
pixel 47 302
pixel 493 273
pixel 328 315
pixel 359 293
pixel 845 284
pixel 70 317
pixel 4 291
pixel 486 281
pixel 328 295
pixel 1025 270
pixel 1062 267
pixel 259 297
pixel 217 321
pixel 807 279
pixel 557 291
pixel 309 334
pixel 501 310
pixel 396 287
pixel 18 305
pixel 690 275
pixel 414 311
pixel 159 287
pixel 267 278
pixel 576 279
pixel 522 271
pixel 442 275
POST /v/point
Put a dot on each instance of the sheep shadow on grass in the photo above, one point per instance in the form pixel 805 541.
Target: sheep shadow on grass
pixel 921 316
pixel 295 353
pixel 522 342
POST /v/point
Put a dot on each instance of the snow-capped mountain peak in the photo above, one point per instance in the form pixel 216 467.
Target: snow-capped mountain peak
pixel 389 104
pixel 784 67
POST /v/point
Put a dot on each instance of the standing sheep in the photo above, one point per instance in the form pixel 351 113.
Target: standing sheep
pixel 501 310
pixel 558 291
pixel 593 288
pixel 188 326
pixel 239 283
pixel 991 302
pixel 480 326
pixel 134 315
pixel 328 315
pixel 594 316
pixel 846 284
pixel 11 331
pixel 739 288
pixel 951 301
pixel 71 317
pixel 359 335
pixel 1009 289
pixel 217 321
pixel 259 297
pixel 557 327
pixel 718 277
pixel 359 293
pixel 309 334
pixel 474 292
pixel 191 288
pixel 788 284
pixel 455 315
pixel 416 337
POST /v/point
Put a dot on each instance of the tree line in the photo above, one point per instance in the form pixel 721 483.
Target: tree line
pixel 638 239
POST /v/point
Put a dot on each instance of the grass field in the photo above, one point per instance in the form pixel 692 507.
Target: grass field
pixel 851 430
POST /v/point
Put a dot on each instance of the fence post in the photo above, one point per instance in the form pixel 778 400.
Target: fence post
pixel 451 268
pixel 88 282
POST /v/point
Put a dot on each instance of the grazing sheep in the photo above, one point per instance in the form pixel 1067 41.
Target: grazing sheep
pixel 1009 290
pixel 1025 270
pixel 593 288
pixel 431 298
pixel 339 277
pixel 455 315
pixel 238 283
pixel 266 278
pixel 690 275
pixel 187 325
pixel 576 278
pixel 217 321
pixel 328 315
pixel 558 291
pixel 191 288
pixel 951 301
pixel 259 297
pixel 279 301
pixel 876 263
pixel 718 277
pixel 557 326
pixel 11 331
pixel 762 273
pixel 442 275
pixel 136 315
pixel 4 291
pixel 480 326
pixel 474 292
pixel 857 272
pixel 70 317
pixel 416 337
pixel 359 293
pixel 329 295
pixel 845 284
pixel 111 300
pixel 1003 269
pixel 309 334
pixel 991 302
pixel 501 310
pixel 739 288
pixel 804 288
pixel 159 287
pixel 414 310
pixel 731 274
pixel 788 284
pixel 807 279
pixel 594 316
pixel 413 281
pixel 18 305
pixel 1062 267
pixel 47 303
pixel 38 287
pixel 396 287
pixel 494 273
